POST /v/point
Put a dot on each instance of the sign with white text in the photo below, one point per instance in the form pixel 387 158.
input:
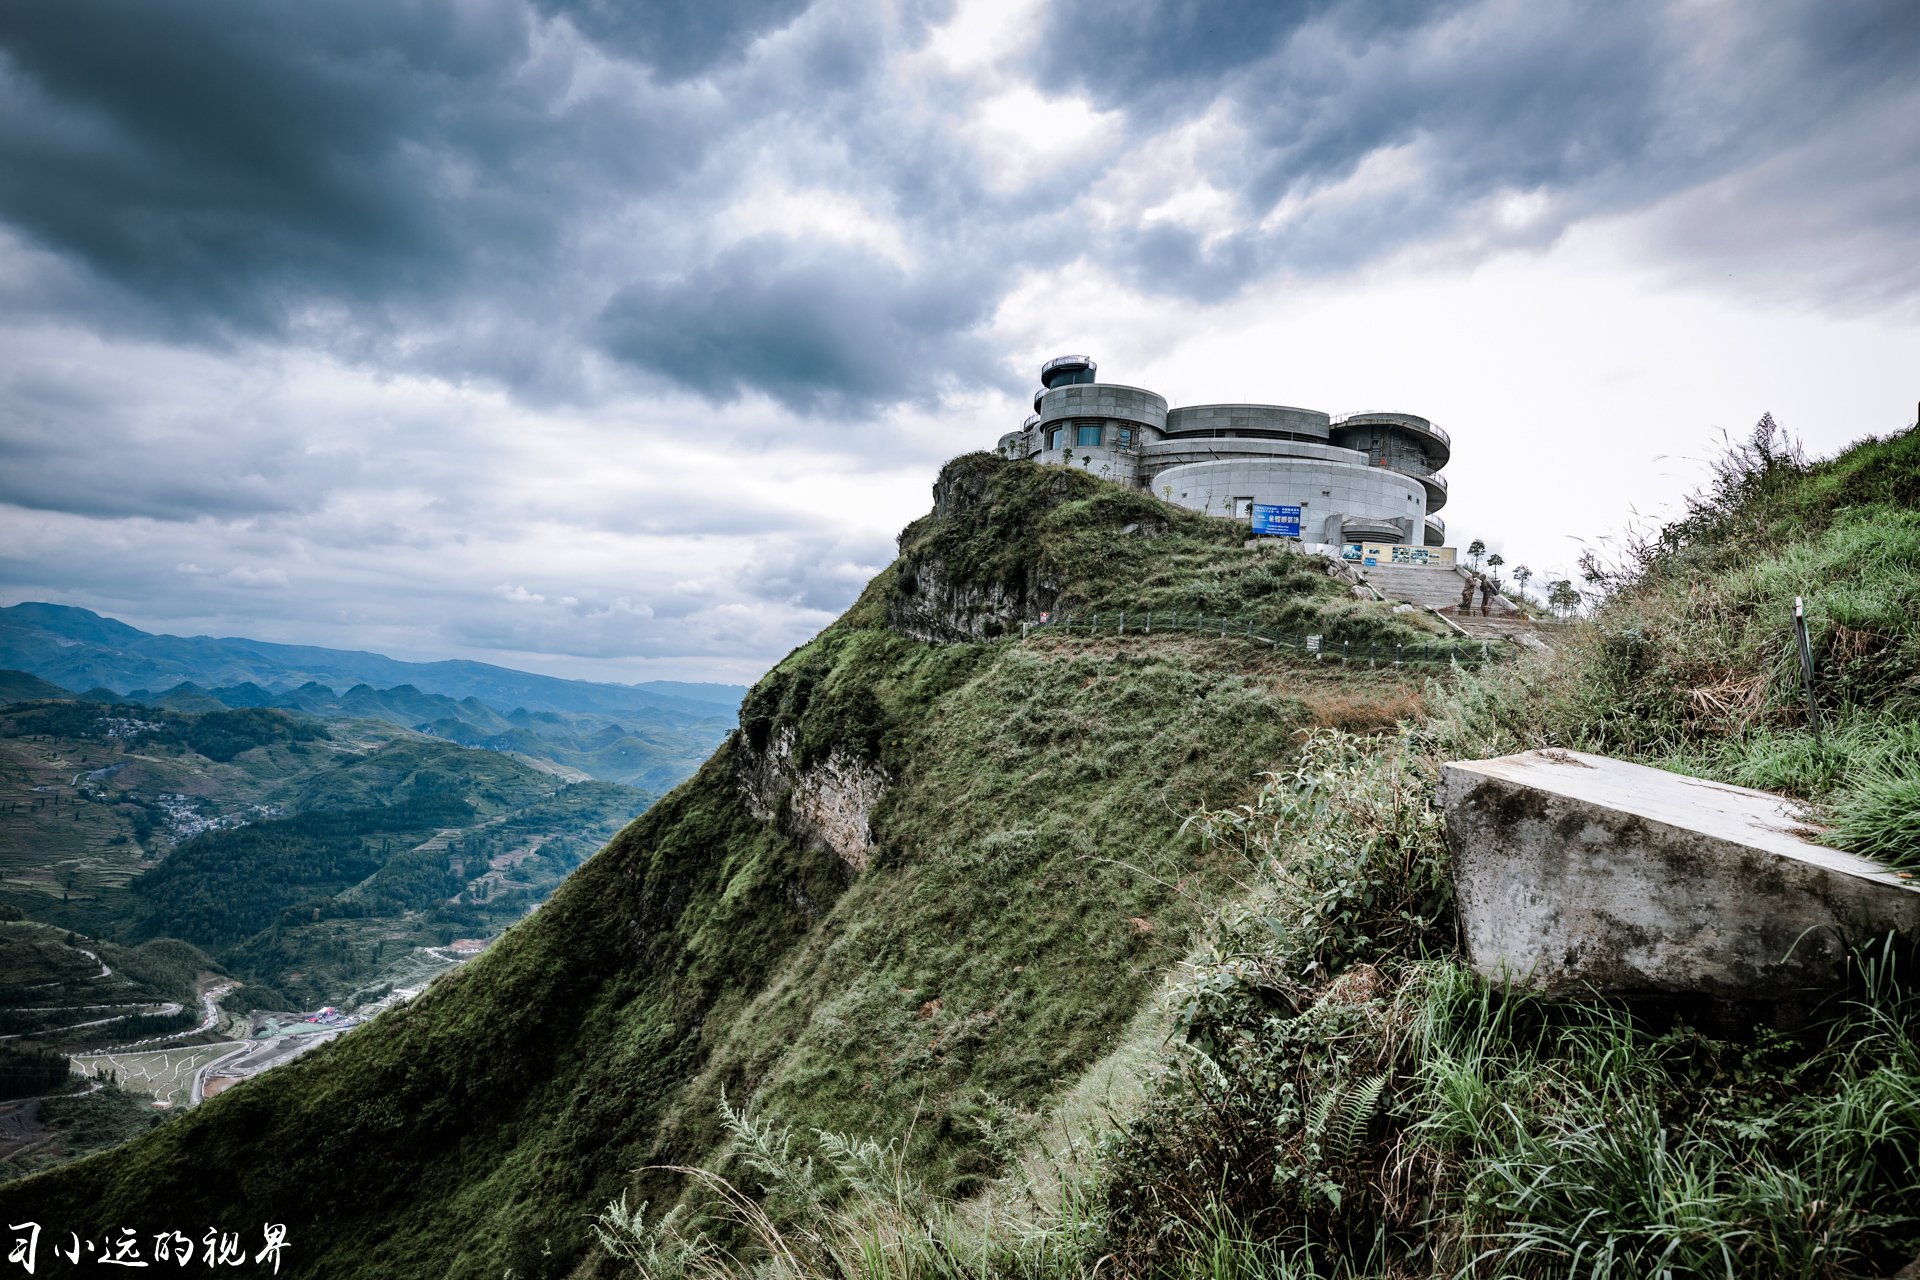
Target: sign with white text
pixel 1276 522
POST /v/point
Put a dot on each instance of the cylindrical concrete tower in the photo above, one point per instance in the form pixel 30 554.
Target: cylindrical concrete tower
pixel 1080 422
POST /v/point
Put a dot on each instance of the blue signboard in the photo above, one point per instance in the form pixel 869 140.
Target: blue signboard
pixel 1279 522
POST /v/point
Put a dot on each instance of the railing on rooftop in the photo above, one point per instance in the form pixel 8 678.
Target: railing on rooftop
pixel 1425 473
pixel 1433 428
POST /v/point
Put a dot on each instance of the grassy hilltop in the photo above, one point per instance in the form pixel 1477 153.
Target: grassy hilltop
pixel 889 1042
pixel 1030 885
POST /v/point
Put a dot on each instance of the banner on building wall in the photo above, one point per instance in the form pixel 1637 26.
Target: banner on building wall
pixel 1378 553
pixel 1431 557
pixel 1277 522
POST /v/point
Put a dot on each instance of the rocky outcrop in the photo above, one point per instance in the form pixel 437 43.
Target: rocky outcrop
pixel 933 606
pixel 973 569
pixel 828 804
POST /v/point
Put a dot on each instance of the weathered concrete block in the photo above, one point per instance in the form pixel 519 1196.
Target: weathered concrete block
pixel 1576 871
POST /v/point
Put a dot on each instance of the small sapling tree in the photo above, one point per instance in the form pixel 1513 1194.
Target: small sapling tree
pixel 1564 597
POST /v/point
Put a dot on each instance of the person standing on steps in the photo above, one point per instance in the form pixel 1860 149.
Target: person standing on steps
pixel 1466 596
pixel 1486 597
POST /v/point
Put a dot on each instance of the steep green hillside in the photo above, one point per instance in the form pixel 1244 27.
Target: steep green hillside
pixel 1404 1120
pixel 924 882
pixel 65 993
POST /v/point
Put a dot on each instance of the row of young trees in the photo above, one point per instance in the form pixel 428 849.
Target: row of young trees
pixel 1561 595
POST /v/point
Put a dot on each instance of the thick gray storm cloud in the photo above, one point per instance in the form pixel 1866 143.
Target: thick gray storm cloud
pixel 285 282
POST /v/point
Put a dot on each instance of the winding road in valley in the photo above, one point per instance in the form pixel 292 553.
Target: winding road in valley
pixel 209 1006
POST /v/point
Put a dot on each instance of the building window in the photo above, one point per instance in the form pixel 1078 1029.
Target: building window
pixel 1086 434
pixel 1053 438
pixel 1124 438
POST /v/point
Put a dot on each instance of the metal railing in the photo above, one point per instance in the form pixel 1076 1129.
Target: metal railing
pixel 1338 419
pixel 1320 647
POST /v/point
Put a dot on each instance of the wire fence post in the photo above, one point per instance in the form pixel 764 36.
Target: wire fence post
pixel 1806 665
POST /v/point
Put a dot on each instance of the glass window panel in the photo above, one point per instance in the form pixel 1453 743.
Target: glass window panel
pixel 1085 435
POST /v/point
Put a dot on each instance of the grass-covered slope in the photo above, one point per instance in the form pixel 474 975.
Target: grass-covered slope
pixel 1028 881
pixel 1406 1120
pixel 1691 663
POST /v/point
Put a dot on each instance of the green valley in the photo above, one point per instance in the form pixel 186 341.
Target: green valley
pixel 312 859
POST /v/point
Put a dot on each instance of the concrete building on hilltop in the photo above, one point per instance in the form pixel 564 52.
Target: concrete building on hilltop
pixel 1362 477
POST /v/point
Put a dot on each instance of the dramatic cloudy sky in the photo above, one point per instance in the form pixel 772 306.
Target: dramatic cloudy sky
pixel 618 339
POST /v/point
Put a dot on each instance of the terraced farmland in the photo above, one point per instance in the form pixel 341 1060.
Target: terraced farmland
pixel 167 1074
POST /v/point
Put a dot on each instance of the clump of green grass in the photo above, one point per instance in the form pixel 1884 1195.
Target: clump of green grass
pixel 1878 814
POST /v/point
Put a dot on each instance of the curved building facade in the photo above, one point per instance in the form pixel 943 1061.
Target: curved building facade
pixel 1364 477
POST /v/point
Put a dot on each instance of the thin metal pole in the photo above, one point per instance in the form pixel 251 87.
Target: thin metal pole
pixel 1806 665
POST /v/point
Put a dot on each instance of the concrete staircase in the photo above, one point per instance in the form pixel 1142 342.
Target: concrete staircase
pixel 1427 588
pixel 1440 589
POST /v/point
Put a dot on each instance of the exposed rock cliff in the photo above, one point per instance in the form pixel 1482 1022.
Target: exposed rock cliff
pixel 975 568
pixel 826 805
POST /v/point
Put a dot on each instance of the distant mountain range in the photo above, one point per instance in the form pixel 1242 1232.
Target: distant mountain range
pixel 80 650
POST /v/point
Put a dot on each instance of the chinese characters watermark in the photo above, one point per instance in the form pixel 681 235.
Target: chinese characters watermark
pixel 216 1249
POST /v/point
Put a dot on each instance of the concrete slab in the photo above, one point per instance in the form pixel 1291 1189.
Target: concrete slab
pixel 1580 872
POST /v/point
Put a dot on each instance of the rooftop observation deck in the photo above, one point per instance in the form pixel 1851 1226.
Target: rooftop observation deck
pixel 1431 435
pixel 1068 363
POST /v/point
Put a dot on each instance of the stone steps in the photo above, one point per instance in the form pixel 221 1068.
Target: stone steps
pixel 1427 588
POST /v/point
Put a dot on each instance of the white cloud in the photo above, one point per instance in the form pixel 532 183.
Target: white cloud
pixel 247 576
